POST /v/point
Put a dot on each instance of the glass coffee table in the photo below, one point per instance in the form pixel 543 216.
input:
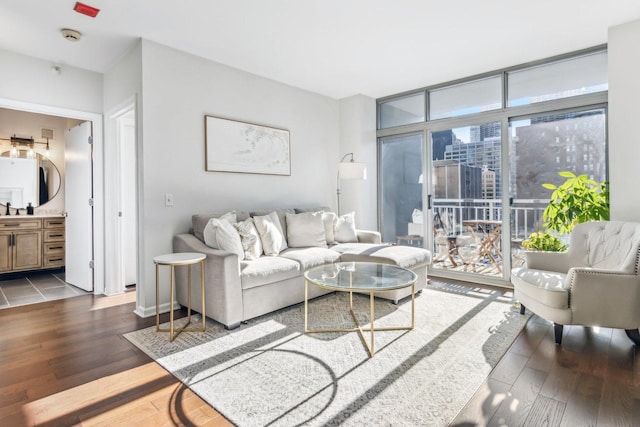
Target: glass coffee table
pixel 361 277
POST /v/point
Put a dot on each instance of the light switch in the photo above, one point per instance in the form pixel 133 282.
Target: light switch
pixel 168 199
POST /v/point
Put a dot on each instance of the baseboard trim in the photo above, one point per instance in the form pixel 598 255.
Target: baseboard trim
pixel 151 311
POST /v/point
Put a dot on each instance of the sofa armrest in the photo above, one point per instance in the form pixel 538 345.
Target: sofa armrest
pixel 604 298
pixel 366 236
pixel 223 290
pixel 549 261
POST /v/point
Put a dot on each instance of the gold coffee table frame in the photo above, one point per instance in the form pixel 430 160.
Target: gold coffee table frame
pixel 360 277
pixel 173 260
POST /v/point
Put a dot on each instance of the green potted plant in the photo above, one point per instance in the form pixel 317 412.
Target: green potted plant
pixel 578 199
pixel 544 241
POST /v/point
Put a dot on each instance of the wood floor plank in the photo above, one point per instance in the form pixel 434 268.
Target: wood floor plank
pixel 616 405
pixel 483 404
pixel 583 405
pixel 560 383
pixel 509 368
pixel 529 340
pixel 546 412
pixel 514 410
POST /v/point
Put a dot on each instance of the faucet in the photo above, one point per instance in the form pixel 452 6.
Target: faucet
pixel 8 212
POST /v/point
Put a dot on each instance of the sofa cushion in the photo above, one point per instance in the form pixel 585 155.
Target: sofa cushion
pixel 221 234
pixel 273 240
pixel 344 228
pixel 402 256
pixel 546 287
pixel 305 230
pixel 250 238
pixel 199 221
pixel 311 257
pixel 265 270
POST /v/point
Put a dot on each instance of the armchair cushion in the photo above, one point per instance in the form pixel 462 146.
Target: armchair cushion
pixel 548 287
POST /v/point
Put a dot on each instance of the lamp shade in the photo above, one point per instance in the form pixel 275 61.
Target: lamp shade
pixel 352 170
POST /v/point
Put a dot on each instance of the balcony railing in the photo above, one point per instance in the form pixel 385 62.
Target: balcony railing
pixel 526 214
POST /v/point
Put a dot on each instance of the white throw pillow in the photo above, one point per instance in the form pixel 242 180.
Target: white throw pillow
pixel 270 230
pixel 305 230
pixel 344 229
pixel 229 216
pixel 250 239
pixel 329 219
pixel 220 234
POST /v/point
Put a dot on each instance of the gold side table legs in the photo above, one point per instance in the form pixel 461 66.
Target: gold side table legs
pixel 172 262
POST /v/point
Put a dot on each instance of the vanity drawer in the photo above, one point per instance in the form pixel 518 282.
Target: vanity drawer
pixel 53 248
pixel 53 223
pixel 53 260
pixel 20 224
pixel 56 235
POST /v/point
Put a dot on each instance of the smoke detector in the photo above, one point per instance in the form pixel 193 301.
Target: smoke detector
pixel 71 35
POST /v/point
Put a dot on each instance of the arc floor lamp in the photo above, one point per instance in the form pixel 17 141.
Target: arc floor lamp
pixel 349 170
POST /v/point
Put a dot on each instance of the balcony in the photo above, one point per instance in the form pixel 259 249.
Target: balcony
pixel 468 233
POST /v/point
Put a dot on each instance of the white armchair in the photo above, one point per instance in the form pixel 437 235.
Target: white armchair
pixel 595 283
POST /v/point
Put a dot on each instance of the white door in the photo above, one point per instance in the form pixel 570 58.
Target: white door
pixel 127 212
pixel 78 193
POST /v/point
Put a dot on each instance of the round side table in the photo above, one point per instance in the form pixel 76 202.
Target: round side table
pixel 173 260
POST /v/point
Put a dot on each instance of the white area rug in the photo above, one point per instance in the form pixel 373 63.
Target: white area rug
pixel 269 373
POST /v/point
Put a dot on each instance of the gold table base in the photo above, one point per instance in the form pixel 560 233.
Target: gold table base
pixel 173 331
pixel 368 344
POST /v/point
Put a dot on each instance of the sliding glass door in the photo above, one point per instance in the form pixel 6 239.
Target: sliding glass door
pixel 462 163
pixel 465 199
pixel 541 146
pixel 401 181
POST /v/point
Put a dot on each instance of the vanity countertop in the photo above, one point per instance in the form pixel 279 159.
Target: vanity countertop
pixel 25 216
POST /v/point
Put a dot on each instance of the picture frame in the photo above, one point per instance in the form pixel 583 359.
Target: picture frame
pixel 242 147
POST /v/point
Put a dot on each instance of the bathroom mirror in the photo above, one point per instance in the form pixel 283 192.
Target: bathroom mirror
pixel 25 180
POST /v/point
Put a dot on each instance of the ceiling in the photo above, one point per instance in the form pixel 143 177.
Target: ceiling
pixel 336 48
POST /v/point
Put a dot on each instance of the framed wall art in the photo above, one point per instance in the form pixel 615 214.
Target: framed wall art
pixel 234 146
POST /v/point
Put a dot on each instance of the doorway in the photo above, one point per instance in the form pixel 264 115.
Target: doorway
pixel 122 199
pixel 93 238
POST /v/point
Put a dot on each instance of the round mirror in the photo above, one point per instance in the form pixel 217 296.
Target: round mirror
pixel 25 180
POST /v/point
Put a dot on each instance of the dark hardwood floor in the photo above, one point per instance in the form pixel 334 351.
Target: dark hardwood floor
pixel 593 379
pixel 65 363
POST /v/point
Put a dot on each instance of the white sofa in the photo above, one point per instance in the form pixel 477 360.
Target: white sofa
pixel 236 290
pixel 595 283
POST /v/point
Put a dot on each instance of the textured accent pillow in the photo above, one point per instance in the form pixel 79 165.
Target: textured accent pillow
pixel 268 226
pixel 344 229
pixel 200 221
pixel 221 234
pixel 250 239
pixel 329 219
pixel 306 230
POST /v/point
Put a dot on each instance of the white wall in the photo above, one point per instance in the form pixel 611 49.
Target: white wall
pixel 178 91
pixel 122 87
pixel 624 112
pixel 23 78
pixel 358 136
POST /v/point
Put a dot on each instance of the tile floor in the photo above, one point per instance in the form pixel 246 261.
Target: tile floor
pixel 32 287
